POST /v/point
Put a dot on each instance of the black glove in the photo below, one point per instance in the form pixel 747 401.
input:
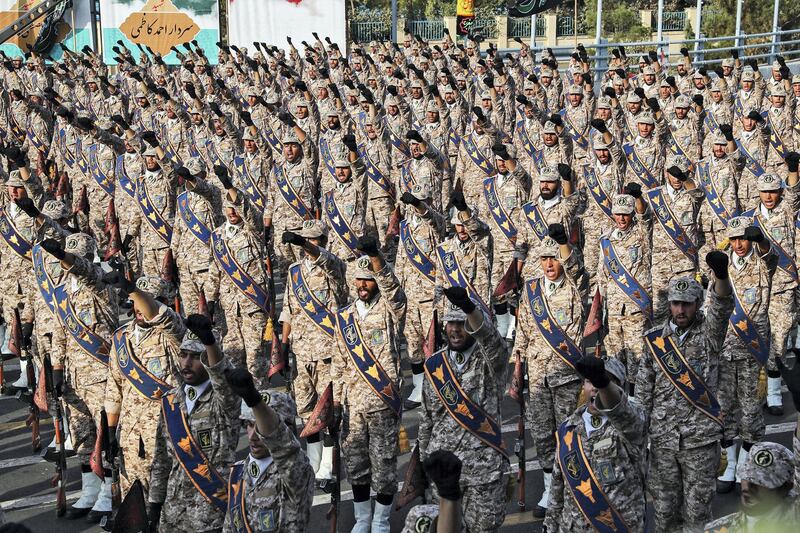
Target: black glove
pixel 698 99
pixel 615 53
pixel 15 156
pixel 639 92
pixel 652 103
pixel 533 78
pixel 191 91
pixel 290 237
pixel 184 173
pixel 557 233
pixel 755 115
pixel 754 234
pixel 719 72
pixel 117 279
pixel 458 200
pixel 501 151
pixel 53 247
pixel 444 469
pixel 610 92
pixel 246 118
pixel 727 131
pixel 556 119
pixel 653 55
pixel 685 52
pixel 414 136
pixel 369 245
pixel 703 72
pixel 349 141
pixel 212 306
pixel 458 296
pixel 791 376
pixel 564 171
pixel 300 86
pixel 286 118
pixel 634 189
pixel 27 205
pixel 336 419
pixel 150 138
pixel 479 114
pixel 488 81
pixel 718 262
pixel 599 124
pixel 620 72
pixel 671 81
pixel 215 109
pixel 241 383
pixel 84 123
pixel 200 325
pixel 27 333
pixel 221 172
pixel 410 199
pixel 594 369
pixel 735 54
pixel 58 381
pixel 523 100
pixel 587 78
pixel 792 159
pixel 677 173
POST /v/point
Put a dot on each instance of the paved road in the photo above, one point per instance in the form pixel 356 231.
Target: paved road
pixel 26 495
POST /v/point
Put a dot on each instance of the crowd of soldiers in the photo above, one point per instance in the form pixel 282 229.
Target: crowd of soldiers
pixel 439 207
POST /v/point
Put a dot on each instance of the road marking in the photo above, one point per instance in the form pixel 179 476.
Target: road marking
pixel 13 426
pixel 34 501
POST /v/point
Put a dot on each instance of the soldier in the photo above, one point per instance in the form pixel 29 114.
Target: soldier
pixel 752 144
pixel 556 298
pixel 645 152
pixel 316 289
pixel 197 437
pixel 779 115
pixel 685 418
pixel 273 488
pixel 475 161
pixel 366 394
pixel 471 370
pixel 611 431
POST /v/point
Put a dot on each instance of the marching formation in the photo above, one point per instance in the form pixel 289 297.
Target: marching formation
pixel 471 215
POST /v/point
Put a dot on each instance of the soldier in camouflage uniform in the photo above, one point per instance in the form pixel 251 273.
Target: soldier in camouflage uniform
pixel 553 384
pixel 274 485
pixel 753 140
pixel 371 414
pixel 207 421
pixel 612 428
pixel 475 160
pixel 684 448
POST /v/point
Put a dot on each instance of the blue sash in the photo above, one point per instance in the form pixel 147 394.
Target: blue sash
pixel 671 226
pixel 69 157
pixel 455 276
pixel 190 455
pixel 162 228
pixel 289 195
pixel 582 481
pixel 577 137
pixel 90 342
pixel 418 259
pixel 125 182
pixel 315 310
pixel 35 140
pixel 253 193
pixel 746 330
pixel 536 155
pixel 785 261
pixel 146 384
pixel 13 238
pixel 750 162
pixel 169 149
pixel 43 280
pixel 499 215
pixel 196 226
pixel 476 156
pixel 681 374
pixel 710 121
pixel 80 157
pixel 214 156
pixel 454 138
pixel 674 146
pixel 105 182
pixel 711 193
pixel 193 150
pixel 638 167
pixel 15 127
pixel 624 279
pixel 775 138
pixel 407 179
pixel 738 107
pixel 374 173
pixel 397 142
pixel 327 157
pixel 237 274
pixel 548 327
pixel 596 190
pixel 467 414
pixel 535 218
pixel 237 504
pixel 368 367
pixel 268 134
pixel 339 224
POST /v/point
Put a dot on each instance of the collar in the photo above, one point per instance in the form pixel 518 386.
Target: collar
pixel 193 392
pixel 552 202
pixel 256 467
pixel 741 262
pixel 592 422
pixel 461 358
pixel 364 308
pixel 551 286
pixel 764 211
pixel 681 333
pixel 231 230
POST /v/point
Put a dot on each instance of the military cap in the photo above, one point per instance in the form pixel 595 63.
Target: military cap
pixel 737 226
pixel 698 76
pixel 194 165
pixel 280 402
pixel 352 92
pixel 332 112
pixel 748 75
pixel 527 84
pixel 228 203
pixel 645 118
pixel 575 89
pixel 633 97
pixel 196 110
pixel 15 179
pixel 677 160
pixel 55 209
pixel 150 152
pixel 615 367
pixel 392 100
pixel 484 95
pixel 421 519
pixel 154 286
pixel 727 62
pixel 340 161
pixel 103 123
pixel 769 181
pixel 271 98
pixel 716 86
pixel 549 127
pixel 683 101
pixel 795 79
pixel 432 107
pixel 80 244
pixel 648 70
pixel 191 343
pixel 549 174
pixel 665 83
pixel 545 72
pixel 36 92
pixel 140 95
pixel 599 142
pixel 290 137
pixel 575 69
pixel 512 152
pixel 603 103
pixel 313 229
pixel 248 135
pixel 769 465
pixel 778 91
pixel 453 313
pixel 684 289
pixel 252 91
pixel 456 220
pixel 548 248
pixel 776 65
pixel 186 75
pixel 416 84
pixel 363 270
pixel 624 204
pixel 421 191
pixel 719 138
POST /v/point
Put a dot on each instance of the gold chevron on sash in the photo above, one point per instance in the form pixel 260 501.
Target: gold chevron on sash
pixel 237 505
pixel 500 216
pixel 597 191
pixel 477 157
pixel 240 278
pixel 13 237
pixel 314 309
pixel 142 380
pixel 418 259
pixel 154 219
pixel 43 279
pixel 671 226
pixel 289 195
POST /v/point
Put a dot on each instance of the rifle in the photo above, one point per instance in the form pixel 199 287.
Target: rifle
pixel 17 347
pixel 594 323
pixel 112 231
pixel 111 459
pixel 336 492
pixel 60 479
pixel 279 361
pixel 169 274
pixel 517 392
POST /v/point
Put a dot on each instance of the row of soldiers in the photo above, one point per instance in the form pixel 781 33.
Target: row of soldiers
pixel 383 190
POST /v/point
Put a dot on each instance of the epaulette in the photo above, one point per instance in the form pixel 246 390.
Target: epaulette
pixel 654 329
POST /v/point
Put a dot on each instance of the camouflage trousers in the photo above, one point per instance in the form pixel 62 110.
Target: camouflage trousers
pixel 309 383
pixel 501 259
pixel 681 484
pixel 138 445
pixel 243 343
pixel 284 254
pixel 548 407
pixel 624 341
pixel 782 314
pixel 83 405
pixel 483 507
pixel 192 284
pixel 369 449
pixel 418 322
pixel 152 260
pixel 739 401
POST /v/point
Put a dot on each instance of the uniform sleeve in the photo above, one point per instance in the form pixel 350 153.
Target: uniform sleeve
pixel 88 272
pixel 392 293
pixel 492 344
pixel 169 322
pixel 716 324
pixel 162 464
pixel 628 418
pixel 555 504
pixel 645 381
pixel 292 466
pixel 426 421
pixel 222 391
pixel 113 395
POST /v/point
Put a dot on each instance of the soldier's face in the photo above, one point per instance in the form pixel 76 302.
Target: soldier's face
pixel 250 146
pixel 747 85
pixel 196 118
pixel 649 79
pixel 550 139
pixel 748 123
pixel 370 131
pixel 457 337
pixel 674 182
pixel 741 246
pixel 552 268
pixel 343 174
pixel 232 216
pixel 589 392
pixel 548 189
pixel 681 112
pixel 218 129
pixel 393 110
pixel 604 156
pixel 501 165
pixel 699 83
pixel 366 289
pixel 416 92
pixel 681 69
pixel 575 99
pixel 777 101
pixel 757 500
pixel 770 198
pixel 416 150
pixel 486 104
pixel 664 92
pixel 16 193
pixel 683 313
pixel 352 100
pixel 604 114
pixel 171 113
pixel 291 151
pixel 623 222
pixel 776 75
pixel 634 107
pixel 461 233
pixel 92 87
pixel 718 150
pixel 433 117
pixel 333 123
pixel 716 96
pixel 644 129
pixel 257 448
pixel 192 370
pixel 546 80
pixel 151 163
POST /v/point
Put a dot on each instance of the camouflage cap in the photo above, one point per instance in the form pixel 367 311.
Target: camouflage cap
pixel 392 100
pixel 416 84
pixel 252 91
pixel 352 92
pixel 575 69
pixel 280 402
pixel 575 89
pixel 645 118
pixel 678 160
pixel 194 165
pixel 549 248
pixel 15 179
pixel 603 103
pixel 769 465
pixel 301 102
pixel 549 127
pixel 698 76
pixel 615 367
pixel 648 70
pixel 155 287
pixel 432 107
pixel 453 313
pixel 624 204
pixel 599 142
pixel 455 220
pixel 769 181
pixel 727 62
pixel 633 98
pixel 196 110
pixel 290 137
pixel 737 226
pixel 55 209
pixel 719 139
pixel 545 72
pixel 795 79
pixel 421 519
pixel 80 244
pixel 684 289
pixel 191 343
pixel 716 86
pixel 549 174
pixel 363 270
pixel 421 191
pixel 748 75
pixel 683 101
pixel 778 91
pixel 248 135
pixel 776 65
pixel 664 83
pixel 313 229
pixel 150 152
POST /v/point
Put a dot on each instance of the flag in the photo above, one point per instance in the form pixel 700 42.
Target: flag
pixel 277 359
pixel 517 387
pixel 82 206
pixel 509 282
pixel 132 514
pixel 15 339
pixel 414 482
pixel 595 320
pixel 526 8
pixel 393 229
pixel 322 415
pixel 431 343
pixel 112 231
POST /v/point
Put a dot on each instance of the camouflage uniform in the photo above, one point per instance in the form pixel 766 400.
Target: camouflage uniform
pixel 470 174
pixel 724 173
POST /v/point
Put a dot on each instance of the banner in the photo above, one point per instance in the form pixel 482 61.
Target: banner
pixel 526 8
pixel 159 24
pixel 74 29
pixel 271 21
pixel 465 16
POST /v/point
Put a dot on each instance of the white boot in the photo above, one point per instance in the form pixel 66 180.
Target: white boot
pixel 326 463
pixel 774 399
pixel 740 463
pixel 103 503
pixel 548 478
pixel 314 453
pixel 90 489
pixel 4 341
pixel 797 337
pixel 502 324
pixel 416 392
pixel 730 471
pixel 512 326
pixel 22 382
pixel 380 518
pixel 363 514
